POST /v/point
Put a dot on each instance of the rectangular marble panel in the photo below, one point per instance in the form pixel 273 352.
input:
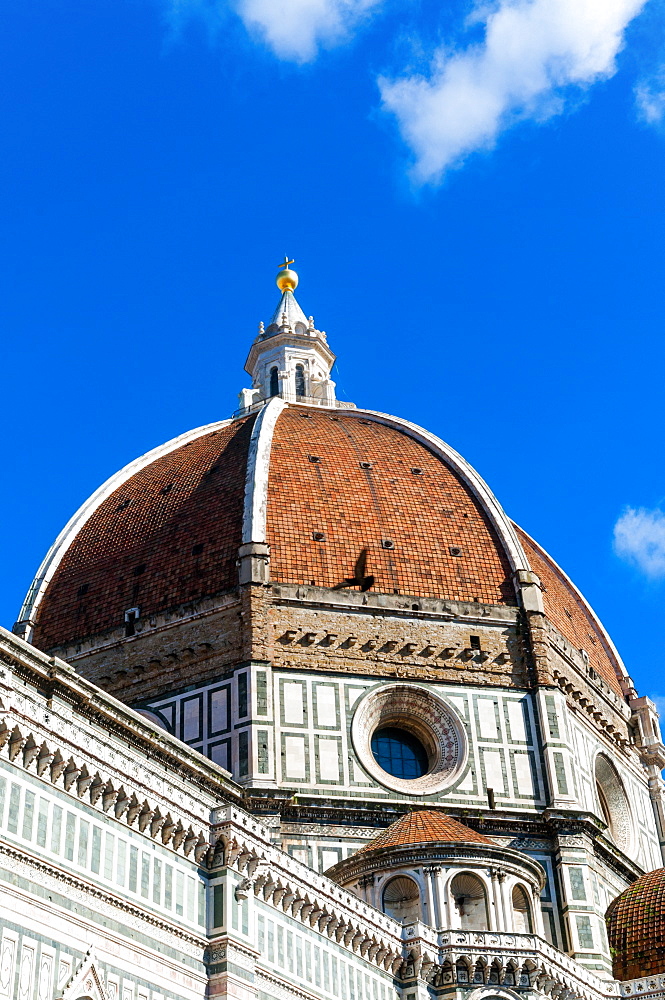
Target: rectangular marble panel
pixel 295 766
pixel 7 963
pixel 487 718
pixel 515 711
pixel 328 759
pixel 494 770
pixel 523 776
pixel 294 710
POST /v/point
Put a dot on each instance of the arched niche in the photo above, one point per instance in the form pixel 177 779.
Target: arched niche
pixel 401 899
pixel 470 901
pixel 613 803
pixel 522 923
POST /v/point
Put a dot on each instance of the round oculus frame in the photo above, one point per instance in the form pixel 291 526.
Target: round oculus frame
pixel 427 717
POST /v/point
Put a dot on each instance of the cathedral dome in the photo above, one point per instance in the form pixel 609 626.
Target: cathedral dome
pixel 636 928
pixel 330 495
pixel 167 530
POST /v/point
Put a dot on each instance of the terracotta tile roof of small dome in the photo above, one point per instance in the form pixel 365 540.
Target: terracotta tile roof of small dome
pixel 636 928
pixel 425 826
pixel 571 615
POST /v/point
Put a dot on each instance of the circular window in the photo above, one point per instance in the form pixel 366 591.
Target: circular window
pixel 409 739
pixel 399 753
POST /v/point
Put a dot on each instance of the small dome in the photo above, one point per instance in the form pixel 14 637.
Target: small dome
pixel 636 928
pixel 426 826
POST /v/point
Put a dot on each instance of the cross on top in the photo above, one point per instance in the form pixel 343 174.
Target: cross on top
pixel 286 262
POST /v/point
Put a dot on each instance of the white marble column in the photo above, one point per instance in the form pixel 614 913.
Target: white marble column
pixel 430 916
pixel 434 900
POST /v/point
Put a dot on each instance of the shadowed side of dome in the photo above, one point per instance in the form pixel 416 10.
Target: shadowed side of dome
pixel 340 483
pixel 425 826
pixel 636 928
pixel 572 617
pixel 166 536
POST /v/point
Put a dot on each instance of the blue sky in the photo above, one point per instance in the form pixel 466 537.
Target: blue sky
pixel 475 201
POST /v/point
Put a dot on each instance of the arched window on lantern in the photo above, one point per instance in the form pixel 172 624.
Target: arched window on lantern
pixel 300 381
pixel 274 381
pixel 401 899
pixel 521 911
pixel 468 893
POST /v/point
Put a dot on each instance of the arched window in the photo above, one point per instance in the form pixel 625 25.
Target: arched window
pixel 521 911
pixel 401 899
pixel 468 894
pixel 613 803
pixel 300 381
pixel 274 382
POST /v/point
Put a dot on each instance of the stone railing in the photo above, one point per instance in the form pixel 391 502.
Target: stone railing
pixel 489 958
pixel 651 986
pixel 290 397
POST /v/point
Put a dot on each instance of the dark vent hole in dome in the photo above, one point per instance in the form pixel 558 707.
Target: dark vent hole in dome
pixel 455 550
pixel 83 589
pixel 166 489
pixel 417 472
pixel 318 536
pixel 197 550
pixel 314 458
pixel 123 506
pixel 138 570
pixel 365 465
pixel 399 753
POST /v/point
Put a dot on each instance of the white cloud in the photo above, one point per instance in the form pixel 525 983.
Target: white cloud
pixel 294 29
pixel 650 99
pixel 639 538
pixel 532 50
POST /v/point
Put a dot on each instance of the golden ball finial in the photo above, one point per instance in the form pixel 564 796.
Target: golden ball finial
pixel 287 280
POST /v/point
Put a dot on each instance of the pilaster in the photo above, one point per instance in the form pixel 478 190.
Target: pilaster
pixel 580 912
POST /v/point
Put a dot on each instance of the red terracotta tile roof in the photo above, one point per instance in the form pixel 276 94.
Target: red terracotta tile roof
pixel 636 928
pixel 425 827
pixel 569 613
pixel 167 536
pixel 361 490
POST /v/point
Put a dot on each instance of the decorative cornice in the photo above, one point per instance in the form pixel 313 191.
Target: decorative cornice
pixel 414 855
